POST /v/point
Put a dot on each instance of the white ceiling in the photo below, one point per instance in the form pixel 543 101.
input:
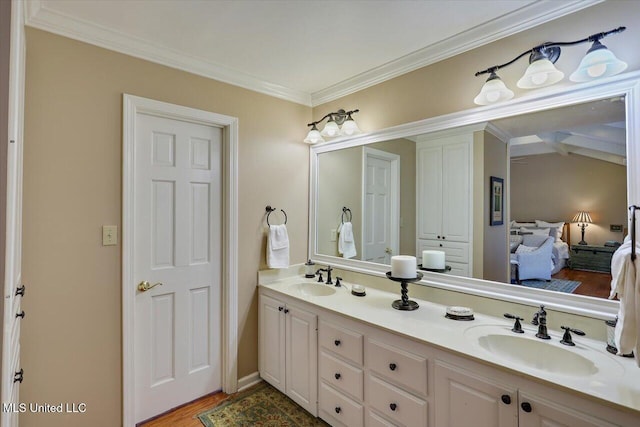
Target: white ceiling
pixel 305 51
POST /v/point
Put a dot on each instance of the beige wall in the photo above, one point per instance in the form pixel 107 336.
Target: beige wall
pixel 340 185
pixel 71 337
pixel 552 187
pixel 495 248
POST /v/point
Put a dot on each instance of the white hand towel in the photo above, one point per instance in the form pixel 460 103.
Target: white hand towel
pixel 278 247
pixel 346 243
pixel 626 284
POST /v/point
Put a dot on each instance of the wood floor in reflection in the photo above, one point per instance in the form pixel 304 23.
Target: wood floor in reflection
pixel 592 283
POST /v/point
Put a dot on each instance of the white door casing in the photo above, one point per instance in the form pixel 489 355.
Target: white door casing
pixel 163 301
pixel 13 239
pixel 380 205
pixel 177 243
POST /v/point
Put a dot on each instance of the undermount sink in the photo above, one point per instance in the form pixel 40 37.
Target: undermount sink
pixel 313 289
pixel 528 351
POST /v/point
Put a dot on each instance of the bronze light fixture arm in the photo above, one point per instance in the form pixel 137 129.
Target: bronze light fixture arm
pixel 551 50
pixel 338 116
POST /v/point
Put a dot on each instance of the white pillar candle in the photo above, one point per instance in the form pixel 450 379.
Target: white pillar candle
pixel 403 266
pixel 433 260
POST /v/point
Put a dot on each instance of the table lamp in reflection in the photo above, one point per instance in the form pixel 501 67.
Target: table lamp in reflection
pixel 583 219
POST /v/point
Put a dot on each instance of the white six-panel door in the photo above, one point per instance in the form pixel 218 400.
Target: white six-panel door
pixel 177 243
pixel 380 206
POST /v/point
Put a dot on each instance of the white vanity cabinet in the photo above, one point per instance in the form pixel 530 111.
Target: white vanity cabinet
pixel 471 394
pixel 444 197
pixel 352 373
pixel 288 350
pixel 397 380
pixel 341 373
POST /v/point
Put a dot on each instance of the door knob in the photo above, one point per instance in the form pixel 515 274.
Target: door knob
pixel 145 286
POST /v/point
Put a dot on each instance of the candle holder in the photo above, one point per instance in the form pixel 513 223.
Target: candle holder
pixel 435 270
pixel 404 303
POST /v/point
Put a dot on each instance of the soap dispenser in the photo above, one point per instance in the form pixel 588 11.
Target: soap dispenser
pixel 310 269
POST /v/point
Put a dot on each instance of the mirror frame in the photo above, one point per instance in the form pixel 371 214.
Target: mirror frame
pixel 627 85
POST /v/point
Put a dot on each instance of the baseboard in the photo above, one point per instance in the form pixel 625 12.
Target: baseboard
pixel 248 381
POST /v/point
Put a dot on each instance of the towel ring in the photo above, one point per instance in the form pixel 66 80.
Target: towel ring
pixel 269 209
pixel 344 211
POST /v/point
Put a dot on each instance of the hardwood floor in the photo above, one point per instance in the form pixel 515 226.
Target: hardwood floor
pixel 185 416
pixel 592 283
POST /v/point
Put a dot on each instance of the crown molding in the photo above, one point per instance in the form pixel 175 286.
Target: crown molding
pixel 37 15
pixel 525 18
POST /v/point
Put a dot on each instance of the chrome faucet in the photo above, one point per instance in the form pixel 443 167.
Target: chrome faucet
pixel 328 270
pixel 540 319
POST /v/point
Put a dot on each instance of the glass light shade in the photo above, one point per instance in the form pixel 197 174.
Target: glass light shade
pixel 331 129
pixel 313 137
pixel 494 90
pixel 349 127
pixel 540 73
pixel 598 62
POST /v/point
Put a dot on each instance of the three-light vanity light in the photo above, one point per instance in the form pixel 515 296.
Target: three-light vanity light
pixel 340 124
pixel 597 63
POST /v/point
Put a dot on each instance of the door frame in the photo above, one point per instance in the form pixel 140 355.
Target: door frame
pixel 132 106
pixel 394 200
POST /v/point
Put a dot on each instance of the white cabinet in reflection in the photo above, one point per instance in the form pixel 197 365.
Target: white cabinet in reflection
pixel 445 198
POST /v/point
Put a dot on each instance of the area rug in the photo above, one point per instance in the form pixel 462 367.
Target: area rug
pixel 261 405
pixel 557 285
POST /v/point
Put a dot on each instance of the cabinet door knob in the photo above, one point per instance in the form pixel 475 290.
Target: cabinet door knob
pixel 280 308
pixel 438 237
pixel 286 310
pixel 440 244
pixel 506 399
pixel 20 291
pixel 392 366
pixel 337 342
pixel 338 410
pixel 21 314
pixel 393 406
pixel 337 375
pixel 526 406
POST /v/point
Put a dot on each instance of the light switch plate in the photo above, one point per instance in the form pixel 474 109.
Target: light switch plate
pixel 109 235
pixel 334 235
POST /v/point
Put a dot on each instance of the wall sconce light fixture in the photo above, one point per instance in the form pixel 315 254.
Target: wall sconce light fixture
pixel 340 123
pixel 598 62
pixel 583 219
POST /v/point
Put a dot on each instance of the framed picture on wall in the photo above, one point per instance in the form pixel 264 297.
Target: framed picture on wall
pixel 496 216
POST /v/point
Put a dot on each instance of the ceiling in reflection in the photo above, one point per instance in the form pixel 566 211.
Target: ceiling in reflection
pixel 595 129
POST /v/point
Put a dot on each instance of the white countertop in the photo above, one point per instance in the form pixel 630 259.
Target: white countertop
pixel 617 379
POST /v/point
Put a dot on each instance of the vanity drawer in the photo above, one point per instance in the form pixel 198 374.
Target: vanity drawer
pixel 343 342
pixel 374 420
pixel 396 404
pixel 341 375
pixel 339 407
pixel 402 367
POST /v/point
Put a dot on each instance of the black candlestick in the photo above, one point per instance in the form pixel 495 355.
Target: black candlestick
pixel 404 303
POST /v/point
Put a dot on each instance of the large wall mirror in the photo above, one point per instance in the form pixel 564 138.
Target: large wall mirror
pixel 427 186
